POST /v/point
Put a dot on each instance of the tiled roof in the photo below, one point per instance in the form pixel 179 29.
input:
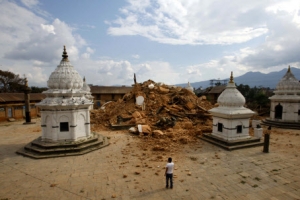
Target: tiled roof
pixel 110 89
pixel 217 90
pixel 16 97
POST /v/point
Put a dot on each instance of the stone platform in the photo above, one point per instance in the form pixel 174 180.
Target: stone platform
pixel 232 145
pixel 279 124
pixel 40 149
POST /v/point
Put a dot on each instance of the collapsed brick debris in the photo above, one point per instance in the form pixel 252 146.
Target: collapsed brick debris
pixel 167 113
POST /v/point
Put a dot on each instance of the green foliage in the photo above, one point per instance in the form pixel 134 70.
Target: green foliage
pixel 38 89
pixel 10 82
pixel 256 96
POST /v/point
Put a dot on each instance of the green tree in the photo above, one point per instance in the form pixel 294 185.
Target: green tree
pixel 35 89
pixel 10 82
pixel 256 97
pixel 261 99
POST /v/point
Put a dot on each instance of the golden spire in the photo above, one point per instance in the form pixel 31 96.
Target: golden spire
pixel 289 69
pixel 65 55
pixel 231 78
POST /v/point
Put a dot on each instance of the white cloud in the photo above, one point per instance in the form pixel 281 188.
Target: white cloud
pixel 48 28
pixel 37 74
pixel 87 53
pixel 192 22
pixel 45 45
pixel 90 50
pixel 31 45
pixel 136 56
pixel 282 45
pixel 30 3
pixel 111 72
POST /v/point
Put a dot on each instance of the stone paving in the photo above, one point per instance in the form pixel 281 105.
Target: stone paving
pixel 123 171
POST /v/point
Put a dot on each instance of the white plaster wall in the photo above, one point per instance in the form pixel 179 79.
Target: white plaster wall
pixel 79 127
pixel 47 127
pixel 289 111
pixel 229 134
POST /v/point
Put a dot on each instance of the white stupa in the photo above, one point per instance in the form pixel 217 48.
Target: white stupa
pixel 285 104
pixel 231 118
pixel 65 111
pixel 189 87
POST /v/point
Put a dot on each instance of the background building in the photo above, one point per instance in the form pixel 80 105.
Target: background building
pixel 12 105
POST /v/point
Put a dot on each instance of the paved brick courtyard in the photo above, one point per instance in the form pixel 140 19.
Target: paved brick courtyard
pixel 124 171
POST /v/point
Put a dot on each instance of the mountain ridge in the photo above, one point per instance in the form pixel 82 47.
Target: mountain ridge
pixel 252 79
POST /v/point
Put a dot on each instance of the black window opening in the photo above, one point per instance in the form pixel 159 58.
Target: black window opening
pixel 64 126
pixel 239 129
pixel 278 111
pixel 298 112
pixel 220 127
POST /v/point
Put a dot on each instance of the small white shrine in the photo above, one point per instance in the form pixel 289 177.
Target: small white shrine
pixel 285 104
pixel 65 117
pixel 65 111
pixel 231 118
pixel 189 87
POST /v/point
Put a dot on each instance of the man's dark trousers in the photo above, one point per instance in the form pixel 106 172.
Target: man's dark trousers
pixel 169 177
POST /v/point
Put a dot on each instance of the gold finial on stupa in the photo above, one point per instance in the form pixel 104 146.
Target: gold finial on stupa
pixel 231 78
pixel 289 69
pixel 65 55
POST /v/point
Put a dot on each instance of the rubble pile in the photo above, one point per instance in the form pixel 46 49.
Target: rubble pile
pixel 158 110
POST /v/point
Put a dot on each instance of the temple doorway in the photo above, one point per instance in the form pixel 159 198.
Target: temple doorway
pixel 278 111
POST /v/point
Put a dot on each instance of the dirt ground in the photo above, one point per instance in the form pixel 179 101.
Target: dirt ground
pixel 131 168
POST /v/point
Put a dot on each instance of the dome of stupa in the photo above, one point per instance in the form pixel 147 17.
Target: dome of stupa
pixel 85 86
pixel 65 76
pixel 231 97
pixel 189 87
pixel 288 82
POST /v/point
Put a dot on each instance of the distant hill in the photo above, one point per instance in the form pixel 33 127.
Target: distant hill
pixel 253 79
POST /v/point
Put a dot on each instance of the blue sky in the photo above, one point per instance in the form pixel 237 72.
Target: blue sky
pixel 170 41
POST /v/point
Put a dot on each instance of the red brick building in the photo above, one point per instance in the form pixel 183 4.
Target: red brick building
pixel 12 105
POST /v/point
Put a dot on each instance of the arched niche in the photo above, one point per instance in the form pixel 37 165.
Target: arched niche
pixel 278 111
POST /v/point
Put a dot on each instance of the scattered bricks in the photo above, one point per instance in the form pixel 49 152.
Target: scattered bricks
pixel 157 133
pixel 187 125
pixel 163 90
pixel 189 105
pixel 165 107
pixel 198 132
pixel 136 114
pixel 183 140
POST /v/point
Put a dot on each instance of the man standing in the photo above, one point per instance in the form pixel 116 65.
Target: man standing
pixel 169 173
